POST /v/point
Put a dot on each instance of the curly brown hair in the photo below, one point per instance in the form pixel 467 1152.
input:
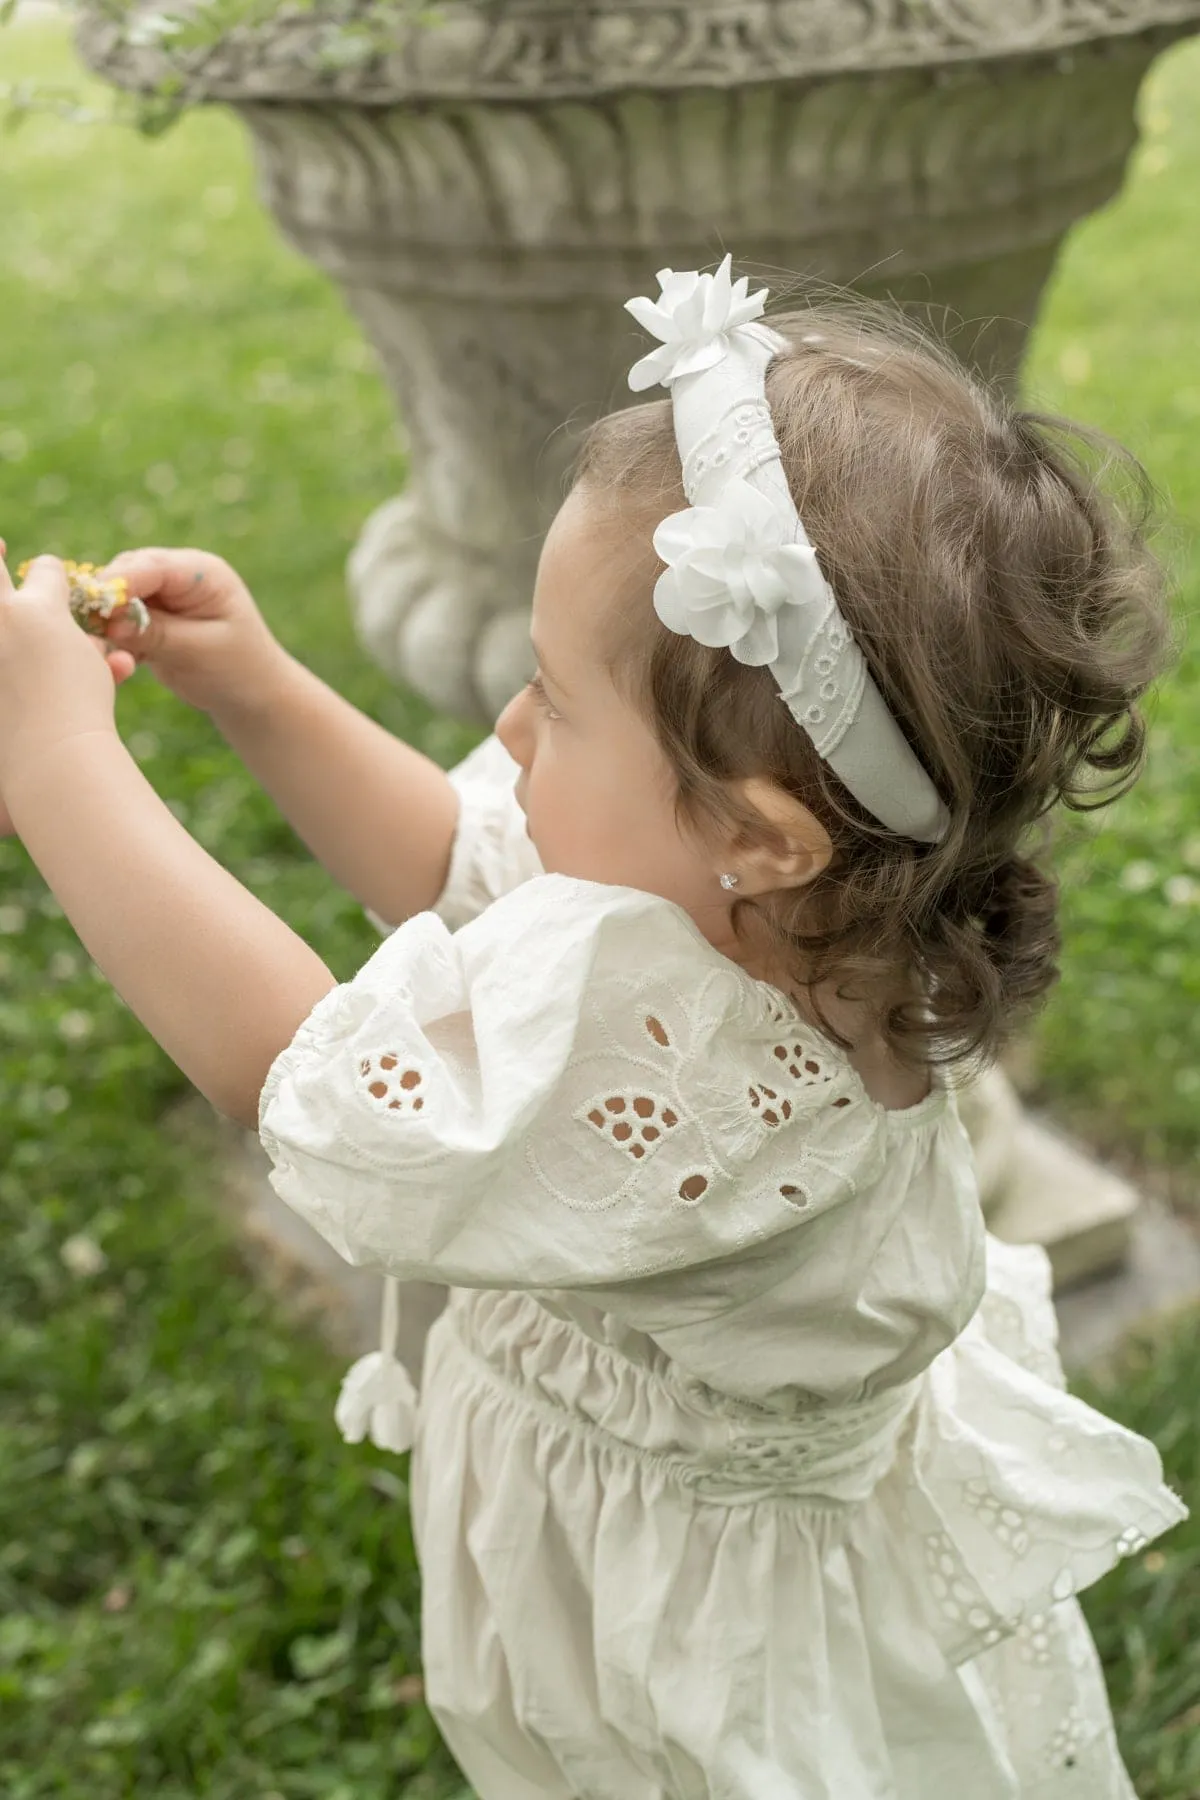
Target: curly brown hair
pixel 1000 583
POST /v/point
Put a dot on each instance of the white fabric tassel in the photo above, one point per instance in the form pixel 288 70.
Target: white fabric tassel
pixel 377 1399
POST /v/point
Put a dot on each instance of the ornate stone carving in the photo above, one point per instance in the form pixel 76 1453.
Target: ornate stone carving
pixel 555 49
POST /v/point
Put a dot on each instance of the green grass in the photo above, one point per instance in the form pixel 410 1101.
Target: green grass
pixel 1119 347
pixel 201 1590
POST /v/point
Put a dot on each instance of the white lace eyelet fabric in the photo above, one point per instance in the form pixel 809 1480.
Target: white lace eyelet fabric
pixel 393 1082
pixel 744 1463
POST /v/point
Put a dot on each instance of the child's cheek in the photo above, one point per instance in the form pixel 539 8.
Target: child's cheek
pixel 556 813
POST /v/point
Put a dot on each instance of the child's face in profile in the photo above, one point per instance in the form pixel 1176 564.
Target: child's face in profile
pixel 596 789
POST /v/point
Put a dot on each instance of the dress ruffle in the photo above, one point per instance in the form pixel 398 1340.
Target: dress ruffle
pixel 1020 1495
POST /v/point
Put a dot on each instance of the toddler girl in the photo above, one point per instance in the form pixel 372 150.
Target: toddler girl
pixel 744 1467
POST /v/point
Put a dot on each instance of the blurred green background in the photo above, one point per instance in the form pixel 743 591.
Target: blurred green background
pixel 201 1590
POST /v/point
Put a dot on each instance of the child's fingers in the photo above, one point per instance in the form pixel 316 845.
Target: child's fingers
pixel 173 579
pixel 45 582
pixel 119 661
pixel 146 572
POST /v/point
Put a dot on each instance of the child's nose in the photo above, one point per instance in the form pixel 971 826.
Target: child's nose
pixel 514 728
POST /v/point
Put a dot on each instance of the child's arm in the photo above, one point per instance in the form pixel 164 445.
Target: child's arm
pixel 377 814
pixel 121 668
pixel 219 980
pixel 209 970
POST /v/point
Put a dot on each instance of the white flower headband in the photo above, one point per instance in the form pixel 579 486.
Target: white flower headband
pixel 741 572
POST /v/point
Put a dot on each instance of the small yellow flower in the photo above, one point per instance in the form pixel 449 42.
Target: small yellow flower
pixel 94 601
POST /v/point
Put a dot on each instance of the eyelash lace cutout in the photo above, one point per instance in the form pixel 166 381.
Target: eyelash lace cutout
pixel 634 1123
pixel 392 1082
pixel 683 1108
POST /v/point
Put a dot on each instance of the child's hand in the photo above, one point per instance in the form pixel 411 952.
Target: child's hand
pixel 207 640
pixel 51 685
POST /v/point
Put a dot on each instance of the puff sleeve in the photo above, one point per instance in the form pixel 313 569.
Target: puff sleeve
pixel 573 1090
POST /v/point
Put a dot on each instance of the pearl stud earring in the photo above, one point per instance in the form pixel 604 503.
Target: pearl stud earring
pixel 729 881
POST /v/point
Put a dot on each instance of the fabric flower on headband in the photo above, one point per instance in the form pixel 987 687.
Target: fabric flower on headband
pixel 691 318
pixel 729 570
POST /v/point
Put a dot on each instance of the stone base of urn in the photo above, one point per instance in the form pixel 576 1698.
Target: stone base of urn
pixel 1037 1187
pixel 489 186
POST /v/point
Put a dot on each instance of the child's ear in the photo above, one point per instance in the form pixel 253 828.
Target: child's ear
pixel 802 849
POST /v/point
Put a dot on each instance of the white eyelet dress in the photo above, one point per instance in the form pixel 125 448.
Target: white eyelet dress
pixel 744 1467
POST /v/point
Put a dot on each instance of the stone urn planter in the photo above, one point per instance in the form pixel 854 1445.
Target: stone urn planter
pixel 489 187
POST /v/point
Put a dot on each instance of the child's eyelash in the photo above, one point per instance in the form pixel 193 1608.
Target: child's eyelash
pixel 543 699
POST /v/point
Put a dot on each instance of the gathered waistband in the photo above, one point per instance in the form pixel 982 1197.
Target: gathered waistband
pixel 722 1449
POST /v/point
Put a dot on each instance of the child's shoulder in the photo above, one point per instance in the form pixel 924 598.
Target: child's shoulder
pixel 620 960
pixel 633 978
pixel 571 905
pixel 615 938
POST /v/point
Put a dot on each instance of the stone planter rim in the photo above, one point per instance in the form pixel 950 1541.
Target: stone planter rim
pixel 526 51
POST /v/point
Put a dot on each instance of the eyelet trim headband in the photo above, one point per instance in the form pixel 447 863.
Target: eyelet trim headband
pixel 741 573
